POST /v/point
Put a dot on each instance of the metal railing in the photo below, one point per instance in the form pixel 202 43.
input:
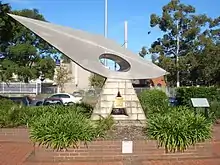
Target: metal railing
pixel 41 88
pixel 26 88
pixel 19 87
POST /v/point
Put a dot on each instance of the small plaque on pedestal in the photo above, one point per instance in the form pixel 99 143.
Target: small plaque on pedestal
pixel 119 106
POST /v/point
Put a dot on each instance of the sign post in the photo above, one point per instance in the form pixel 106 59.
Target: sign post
pixel 201 103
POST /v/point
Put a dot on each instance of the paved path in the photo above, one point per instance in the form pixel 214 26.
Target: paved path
pixel 14 153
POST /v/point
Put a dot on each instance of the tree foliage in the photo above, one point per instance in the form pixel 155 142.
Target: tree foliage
pixel 65 59
pixel 198 38
pixel 5 26
pixel 143 52
pixel 62 77
pixel 22 52
pixel 96 80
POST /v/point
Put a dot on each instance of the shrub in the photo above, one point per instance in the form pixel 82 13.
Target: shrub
pixel 96 81
pixel 33 113
pixel 153 101
pixel 14 115
pixel 215 109
pixel 104 124
pixel 184 94
pixel 84 108
pixel 11 114
pixel 178 129
pixel 65 127
pixel 62 128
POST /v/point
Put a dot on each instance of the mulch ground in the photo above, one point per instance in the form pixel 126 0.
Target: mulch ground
pixel 127 132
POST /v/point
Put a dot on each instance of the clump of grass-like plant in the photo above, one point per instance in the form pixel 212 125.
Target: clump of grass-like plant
pixel 179 128
pixel 65 127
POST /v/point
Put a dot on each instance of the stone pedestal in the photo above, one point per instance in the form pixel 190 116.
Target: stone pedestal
pixel 135 114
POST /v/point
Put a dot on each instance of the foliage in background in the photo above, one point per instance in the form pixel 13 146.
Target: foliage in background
pixel 84 108
pixel 103 125
pixel 153 101
pixel 12 114
pixel 215 109
pixel 96 81
pixel 143 52
pixel 184 94
pixel 65 59
pixel 57 127
pixel 62 77
pixel 5 26
pixel 199 39
pixel 22 52
pixel 179 128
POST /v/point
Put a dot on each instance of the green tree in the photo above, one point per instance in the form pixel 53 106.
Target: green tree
pixel 6 33
pixel 209 59
pixel 96 80
pixel 23 53
pixel 65 59
pixel 62 77
pixel 44 65
pixel 143 52
pixel 5 26
pixel 180 43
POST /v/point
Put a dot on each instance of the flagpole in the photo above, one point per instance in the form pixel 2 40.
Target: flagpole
pixel 126 34
pixel 106 25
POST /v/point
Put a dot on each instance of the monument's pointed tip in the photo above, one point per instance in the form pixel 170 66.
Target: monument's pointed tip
pixel 10 14
pixel 13 15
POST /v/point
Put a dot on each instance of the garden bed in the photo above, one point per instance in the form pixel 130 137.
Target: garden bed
pixel 126 132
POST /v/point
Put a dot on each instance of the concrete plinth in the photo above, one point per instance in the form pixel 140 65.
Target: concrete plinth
pixel 135 114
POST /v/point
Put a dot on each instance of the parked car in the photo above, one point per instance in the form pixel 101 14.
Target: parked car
pixel 68 98
pixel 36 102
pixel 52 101
pixel 77 94
pixel 25 100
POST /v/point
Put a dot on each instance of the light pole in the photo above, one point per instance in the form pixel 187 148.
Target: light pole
pixel 177 56
pixel 106 25
pixel 125 39
pixel 126 34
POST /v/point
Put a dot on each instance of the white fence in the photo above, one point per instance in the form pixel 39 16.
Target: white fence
pixel 19 87
pixel 41 88
pixel 25 88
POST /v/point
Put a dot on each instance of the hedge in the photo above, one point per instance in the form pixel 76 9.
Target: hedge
pixel 153 101
pixel 184 94
pixel 14 115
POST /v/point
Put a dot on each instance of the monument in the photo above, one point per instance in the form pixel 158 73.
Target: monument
pixel 118 97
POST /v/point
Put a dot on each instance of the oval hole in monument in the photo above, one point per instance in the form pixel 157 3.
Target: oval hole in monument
pixel 115 62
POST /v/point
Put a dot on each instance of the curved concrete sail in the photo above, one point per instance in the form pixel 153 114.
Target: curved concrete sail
pixel 85 49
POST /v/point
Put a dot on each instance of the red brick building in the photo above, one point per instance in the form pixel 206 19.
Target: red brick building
pixel 160 81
